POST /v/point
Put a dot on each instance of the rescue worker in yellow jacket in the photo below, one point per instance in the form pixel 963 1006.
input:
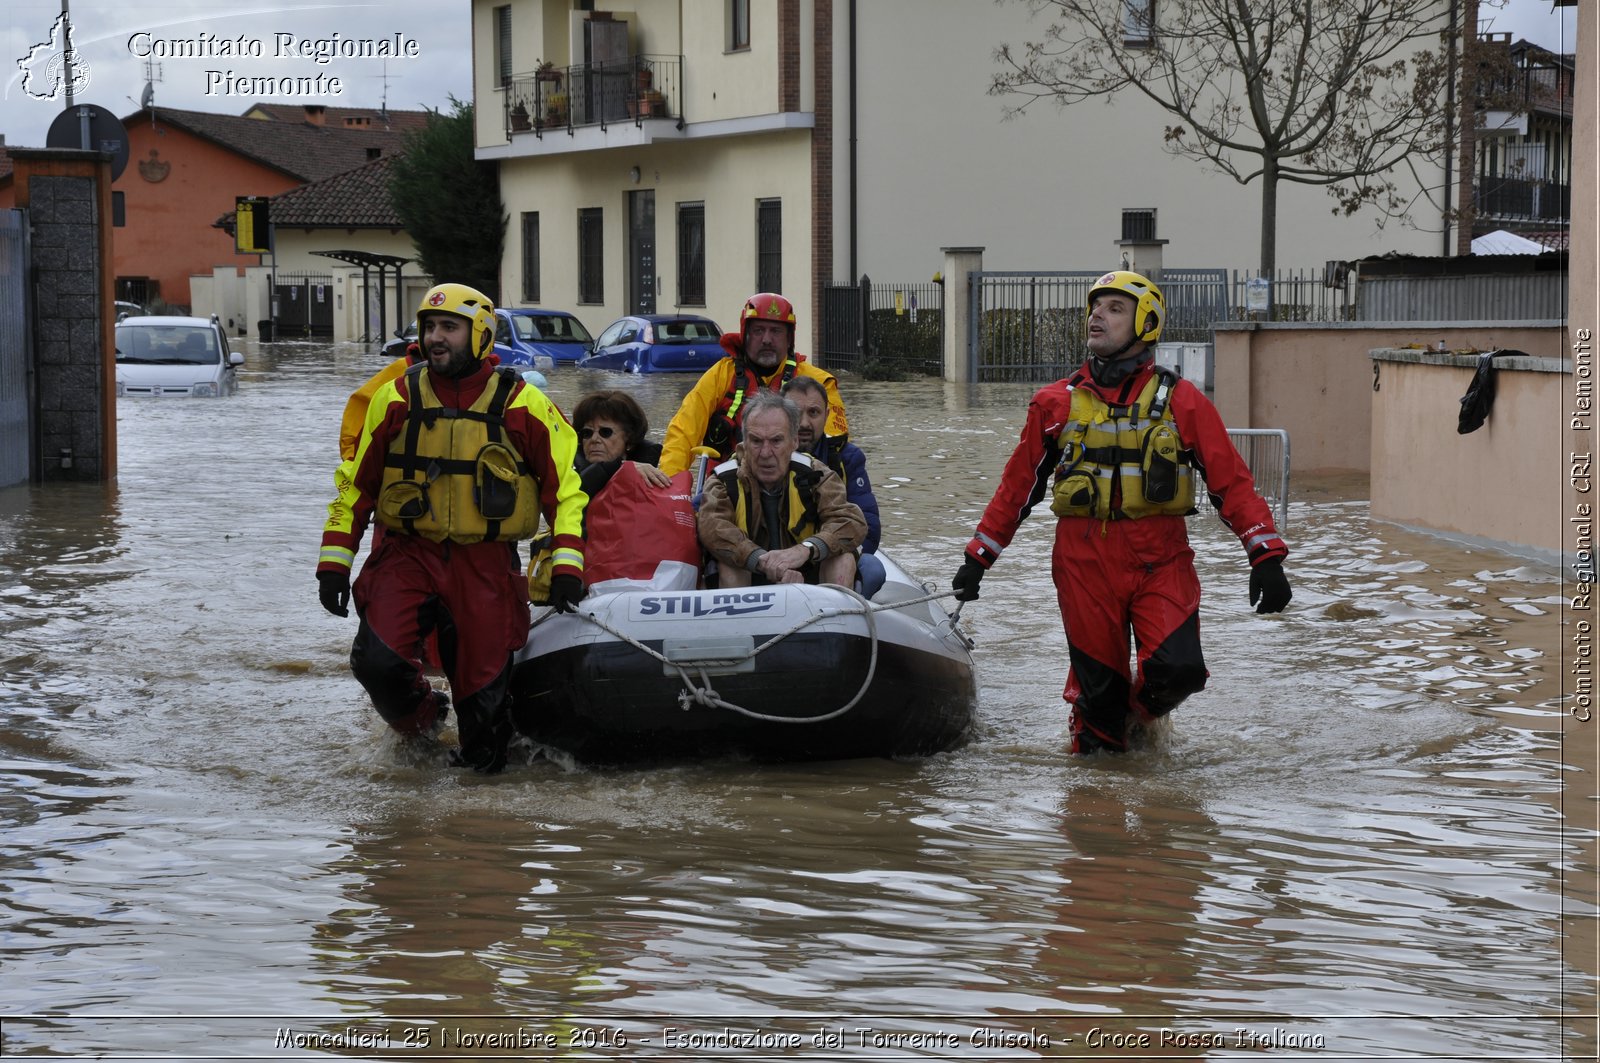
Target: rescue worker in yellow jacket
pixel 760 357
pixel 457 460
pixel 772 515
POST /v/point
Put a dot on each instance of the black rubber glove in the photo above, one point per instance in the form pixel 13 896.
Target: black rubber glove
pixel 566 591
pixel 1269 586
pixel 333 590
pixel 966 581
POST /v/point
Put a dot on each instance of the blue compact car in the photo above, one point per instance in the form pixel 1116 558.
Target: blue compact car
pixel 539 339
pixel 657 343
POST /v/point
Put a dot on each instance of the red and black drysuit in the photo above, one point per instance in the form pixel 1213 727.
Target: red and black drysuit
pixel 472 592
pixel 1119 575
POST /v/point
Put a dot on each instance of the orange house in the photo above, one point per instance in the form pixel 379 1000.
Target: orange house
pixel 186 167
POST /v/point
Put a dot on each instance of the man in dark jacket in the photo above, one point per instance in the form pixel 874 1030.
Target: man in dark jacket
pixel 847 460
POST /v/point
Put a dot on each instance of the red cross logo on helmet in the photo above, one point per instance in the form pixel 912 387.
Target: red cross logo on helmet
pixel 436 299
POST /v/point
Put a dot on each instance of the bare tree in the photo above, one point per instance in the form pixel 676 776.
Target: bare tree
pixel 1337 93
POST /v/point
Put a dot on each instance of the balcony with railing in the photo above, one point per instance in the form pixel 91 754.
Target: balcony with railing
pixel 1521 199
pixel 1524 79
pixel 639 89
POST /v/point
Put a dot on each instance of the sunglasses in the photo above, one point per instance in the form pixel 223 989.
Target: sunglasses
pixel 606 432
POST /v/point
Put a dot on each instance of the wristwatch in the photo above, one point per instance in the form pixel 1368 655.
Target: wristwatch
pixel 811 547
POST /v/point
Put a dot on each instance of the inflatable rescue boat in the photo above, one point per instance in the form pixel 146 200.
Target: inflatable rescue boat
pixel 779 673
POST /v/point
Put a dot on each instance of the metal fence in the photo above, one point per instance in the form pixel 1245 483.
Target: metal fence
pixel 16 449
pixel 1326 294
pixel 1029 326
pixel 1266 451
pixel 884 330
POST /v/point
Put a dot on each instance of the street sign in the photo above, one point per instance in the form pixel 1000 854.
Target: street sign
pixel 92 127
pixel 250 232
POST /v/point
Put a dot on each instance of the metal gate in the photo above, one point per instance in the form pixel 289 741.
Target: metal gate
pixel 1029 326
pixel 16 434
pixel 302 306
pixel 1266 451
pixel 884 330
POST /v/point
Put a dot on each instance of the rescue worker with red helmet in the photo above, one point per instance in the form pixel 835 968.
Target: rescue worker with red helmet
pixel 1120 445
pixel 761 355
pixel 457 460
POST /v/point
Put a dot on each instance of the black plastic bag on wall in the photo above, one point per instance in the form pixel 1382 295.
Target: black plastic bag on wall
pixel 1479 399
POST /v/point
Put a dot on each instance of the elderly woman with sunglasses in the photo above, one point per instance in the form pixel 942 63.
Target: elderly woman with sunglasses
pixel 611 429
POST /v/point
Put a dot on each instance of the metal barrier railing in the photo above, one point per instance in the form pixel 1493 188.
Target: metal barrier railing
pixel 1266 451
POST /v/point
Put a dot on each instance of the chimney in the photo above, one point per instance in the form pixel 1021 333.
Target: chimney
pixel 316 113
pixel 357 121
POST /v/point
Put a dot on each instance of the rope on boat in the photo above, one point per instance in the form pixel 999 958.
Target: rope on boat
pixel 706 694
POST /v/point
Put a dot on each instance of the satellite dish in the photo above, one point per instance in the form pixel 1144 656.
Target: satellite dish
pixel 105 133
pixel 148 96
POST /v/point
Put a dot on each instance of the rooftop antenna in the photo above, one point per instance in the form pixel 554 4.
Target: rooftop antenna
pixel 383 107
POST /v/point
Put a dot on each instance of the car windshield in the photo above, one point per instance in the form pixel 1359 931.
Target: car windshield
pixel 167 344
pixel 685 331
pixel 551 328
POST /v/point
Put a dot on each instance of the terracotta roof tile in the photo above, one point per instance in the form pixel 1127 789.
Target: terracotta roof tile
pixel 355 199
pixel 342 117
pixel 304 151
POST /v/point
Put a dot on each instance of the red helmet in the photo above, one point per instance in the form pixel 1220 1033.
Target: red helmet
pixel 767 306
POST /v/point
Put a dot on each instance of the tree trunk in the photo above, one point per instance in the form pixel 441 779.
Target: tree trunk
pixel 1269 215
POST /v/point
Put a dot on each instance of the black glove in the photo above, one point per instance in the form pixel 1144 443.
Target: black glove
pixel 966 581
pixel 566 591
pixel 1269 586
pixel 333 590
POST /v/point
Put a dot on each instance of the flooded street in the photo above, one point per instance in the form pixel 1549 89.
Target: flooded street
pixel 1365 838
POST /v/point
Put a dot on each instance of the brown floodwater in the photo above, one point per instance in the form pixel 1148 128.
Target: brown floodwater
pixel 1371 835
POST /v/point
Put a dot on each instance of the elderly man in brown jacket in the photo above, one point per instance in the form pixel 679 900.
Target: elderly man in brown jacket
pixel 771 515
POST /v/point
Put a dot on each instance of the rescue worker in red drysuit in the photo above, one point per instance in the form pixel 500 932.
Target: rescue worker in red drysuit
pixel 1124 442
pixel 457 460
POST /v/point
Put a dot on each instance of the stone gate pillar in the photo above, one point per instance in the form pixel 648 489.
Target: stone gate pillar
pixel 67 196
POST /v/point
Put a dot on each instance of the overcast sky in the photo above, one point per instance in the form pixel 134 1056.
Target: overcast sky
pixel 104 33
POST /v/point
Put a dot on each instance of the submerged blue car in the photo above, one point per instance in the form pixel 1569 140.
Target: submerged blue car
pixel 657 343
pixel 527 337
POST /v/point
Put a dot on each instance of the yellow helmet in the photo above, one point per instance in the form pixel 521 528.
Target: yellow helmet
pixel 462 301
pixel 1151 310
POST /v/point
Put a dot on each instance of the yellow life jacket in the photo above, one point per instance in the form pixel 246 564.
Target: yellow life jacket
pixel 799 507
pixel 453 474
pixel 1123 461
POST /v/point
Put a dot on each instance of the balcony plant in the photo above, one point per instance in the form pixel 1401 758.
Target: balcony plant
pixel 648 104
pixel 555 109
pixel 519 119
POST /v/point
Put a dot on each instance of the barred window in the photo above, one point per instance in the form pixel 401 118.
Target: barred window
pixel 530 256
pixel 591 261
pixel 769 245
pixel 691 254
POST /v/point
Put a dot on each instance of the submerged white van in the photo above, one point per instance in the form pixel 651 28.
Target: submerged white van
pixel 175 356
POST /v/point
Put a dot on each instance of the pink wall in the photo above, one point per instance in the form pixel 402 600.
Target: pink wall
pixel 1502 482
pixel 1316 379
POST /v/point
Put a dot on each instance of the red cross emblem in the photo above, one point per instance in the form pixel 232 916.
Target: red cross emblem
pixel 436 299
